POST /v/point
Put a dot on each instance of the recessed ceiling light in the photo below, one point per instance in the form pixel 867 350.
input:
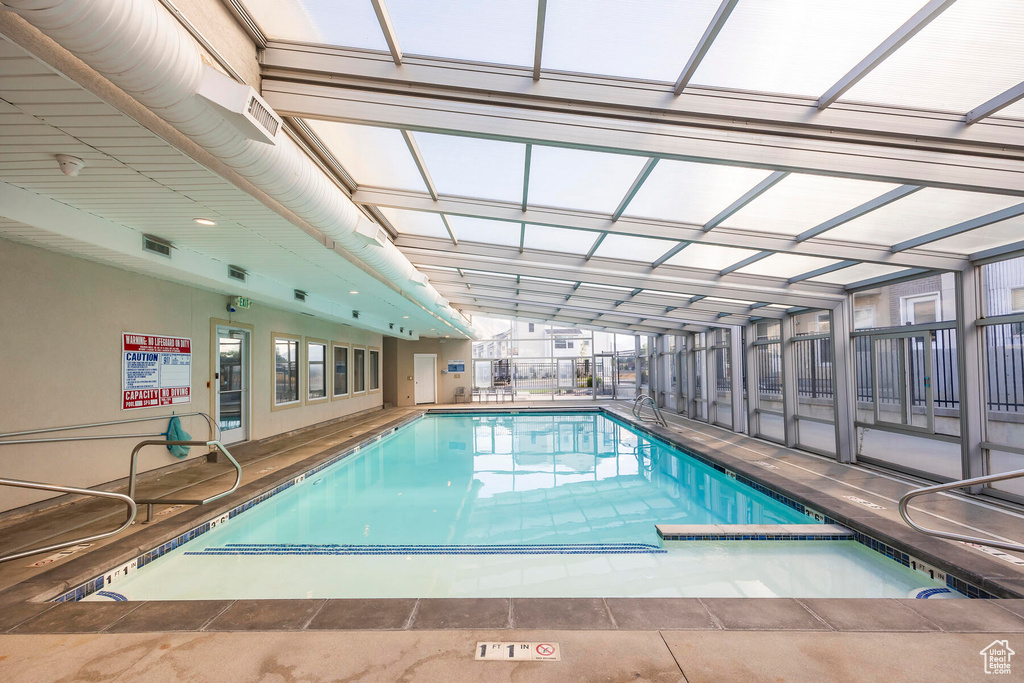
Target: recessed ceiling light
pixel 204 221
pixel 353 292
pixel 405 317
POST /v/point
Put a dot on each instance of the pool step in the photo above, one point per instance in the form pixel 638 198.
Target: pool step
pixel 232 549
pixel 754 532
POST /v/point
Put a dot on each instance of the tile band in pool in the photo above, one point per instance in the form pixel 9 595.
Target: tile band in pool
pixel 116 575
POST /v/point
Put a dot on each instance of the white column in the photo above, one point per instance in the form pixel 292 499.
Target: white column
pixel 844 384
pixel 736 353
pixel 790 394
pixel 970 352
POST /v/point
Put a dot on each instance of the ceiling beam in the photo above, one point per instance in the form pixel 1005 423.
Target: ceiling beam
pixel 667 230
pixel 538 42
pixel 669 254
pixel 745 262
pixel 704 44
pixel 448 227
pixel 421 164
pixel 384 19
pixel 959 228
pixel 824 270
pixel 748 196
pixel 577 321
pixel 595 246
pixel 900 36
pixel 634 188
pixel 870 282
pixel 588 95
pixel 998 102
pixel 858 211
pixel 526 175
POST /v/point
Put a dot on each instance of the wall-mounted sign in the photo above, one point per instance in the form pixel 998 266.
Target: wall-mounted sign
pixel 456 366
pixel 242 302
pixel 155 370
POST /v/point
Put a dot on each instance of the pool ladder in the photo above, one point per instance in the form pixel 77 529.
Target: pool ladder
pixel 638 408
pixel 129 500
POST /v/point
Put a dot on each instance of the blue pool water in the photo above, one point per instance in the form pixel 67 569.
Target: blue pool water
pixel 512 505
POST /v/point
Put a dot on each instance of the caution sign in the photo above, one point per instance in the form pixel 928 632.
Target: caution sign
pixel 518 652
pixel 155 370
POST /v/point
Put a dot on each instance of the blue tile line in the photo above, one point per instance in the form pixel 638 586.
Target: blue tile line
pixel 116 597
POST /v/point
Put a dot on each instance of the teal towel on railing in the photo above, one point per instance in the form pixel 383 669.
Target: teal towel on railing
pixel 175 432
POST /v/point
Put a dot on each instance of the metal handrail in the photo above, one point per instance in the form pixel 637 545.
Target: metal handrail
pixel 638 405
pixel 149 502
pixel 132 509
pixel 214 430
pixel 905 501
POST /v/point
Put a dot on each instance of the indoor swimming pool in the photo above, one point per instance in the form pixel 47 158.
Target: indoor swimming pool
pixel 512 505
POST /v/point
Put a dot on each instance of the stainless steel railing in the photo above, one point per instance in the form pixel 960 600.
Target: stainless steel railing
pixel 4 440
pixel 638 406
pixel 149 502
pixel 132 508
pixel 989 478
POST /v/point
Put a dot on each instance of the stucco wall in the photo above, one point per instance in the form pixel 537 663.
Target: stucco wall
pixel 60 363
pixel 398 368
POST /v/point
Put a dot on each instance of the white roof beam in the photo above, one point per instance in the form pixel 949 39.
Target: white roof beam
pixel 538 42
pixel 904 33
pixel 388 29
pixel 824 270
pixel 1001 100
pixel 704 44
pixel 595 246
pixel 421 164
pixel 635 187
pixel 526 175
pixel 669 254
pixel 858 211
pixel 745 262
pixel 959 228
pixel 670 231
pixel 748 196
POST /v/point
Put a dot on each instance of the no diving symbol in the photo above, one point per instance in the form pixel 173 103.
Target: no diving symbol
pixel 546 650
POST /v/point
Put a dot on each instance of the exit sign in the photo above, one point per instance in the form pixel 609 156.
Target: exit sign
pixel 242 302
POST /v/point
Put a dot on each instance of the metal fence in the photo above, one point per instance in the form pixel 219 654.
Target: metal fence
pixel 1004 350
pixel 542 376
pixel 945 379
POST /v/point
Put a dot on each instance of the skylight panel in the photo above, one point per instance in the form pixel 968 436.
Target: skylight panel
pixel 645 39
pixel 580 179
pixel 924 211
pixel 691 193
pixel 801 201
pixel 988 237
pixel 416 222
pixel 486 231
pixel 495 31
pixel 709 256
pixel 559 239
pixel 786 265
pixel 348 23
pixel 372 156
pixel 474 167
pixel 798 47
pixel 967 55
pixel 861 271
pixel 632 248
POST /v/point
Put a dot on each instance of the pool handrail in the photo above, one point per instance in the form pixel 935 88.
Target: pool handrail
pixel 963 483
pixel 4 441
pixel 132 509
pixel 149 502
pixel 638 406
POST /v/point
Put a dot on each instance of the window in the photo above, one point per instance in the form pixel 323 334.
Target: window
pixel 340 370
pixel 286 370
pixel 373 369
pixel 563 343
pixel 863 318
pixel 920 310
pixel 316 370
pixel 358 371
pixel 1017 299
pixel 531 327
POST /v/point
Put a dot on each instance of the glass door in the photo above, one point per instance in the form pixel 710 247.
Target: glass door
pixel 604 376
pixel 903 388
pixel 232 383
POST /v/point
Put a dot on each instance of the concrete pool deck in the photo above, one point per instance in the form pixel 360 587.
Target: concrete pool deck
pixel 607 639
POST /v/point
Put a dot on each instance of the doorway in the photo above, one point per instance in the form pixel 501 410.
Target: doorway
pixel 425 377
pixel 231 379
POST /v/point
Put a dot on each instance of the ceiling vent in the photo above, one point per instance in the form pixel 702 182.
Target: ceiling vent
pixel 155 245
pixel 240 106
pixel 300 295
pixel 236 273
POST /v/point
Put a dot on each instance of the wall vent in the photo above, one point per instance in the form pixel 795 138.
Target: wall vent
pixel 355 314
pixel 300 295
pixel 240 106
pixel 156 245
pixel 236 273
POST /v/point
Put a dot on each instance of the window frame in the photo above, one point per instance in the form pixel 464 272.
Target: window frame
pixel 352 367
pixel 348 370
pixel 310 341
pixel 275 337
pixel 907 316
pixel 370 350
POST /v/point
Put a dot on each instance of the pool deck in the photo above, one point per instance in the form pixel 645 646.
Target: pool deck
pixel 433 639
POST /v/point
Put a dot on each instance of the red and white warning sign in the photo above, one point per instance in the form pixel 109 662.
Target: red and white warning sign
pixel 155 370
pixel 518 652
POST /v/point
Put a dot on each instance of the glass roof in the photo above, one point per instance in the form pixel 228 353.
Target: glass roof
pixel 579 179
pixel 473 167
pixel 558 239
pixel 967 55
pixel 351 23
pixel 786 265
pixel 632 248
pixel 646 39
pixel 861 271
pixel 799 47
pixel 709 256
pixel 416 222
pixel 498 31
pixel 691 192
pixel 1004 232
pixel 799 202
pixel 372 156
pixel 917 214
pixel 486 231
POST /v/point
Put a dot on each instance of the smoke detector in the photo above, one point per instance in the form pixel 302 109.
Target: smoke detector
pixel 69 165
